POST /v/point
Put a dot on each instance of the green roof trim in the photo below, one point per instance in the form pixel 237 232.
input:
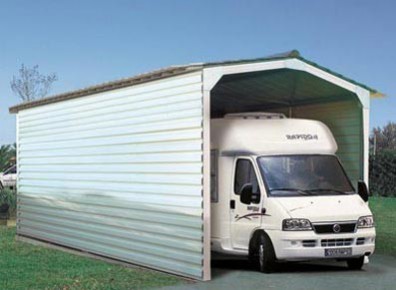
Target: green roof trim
pixel 372 90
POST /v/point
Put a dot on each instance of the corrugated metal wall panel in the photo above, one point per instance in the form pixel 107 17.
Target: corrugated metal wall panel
pixel 118 174
pixel 345 122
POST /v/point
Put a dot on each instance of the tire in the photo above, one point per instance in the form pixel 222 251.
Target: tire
pixel 263 254
pixel 355 263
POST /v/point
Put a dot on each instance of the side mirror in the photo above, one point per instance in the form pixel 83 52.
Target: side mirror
pixel 363 190
pixel 246 193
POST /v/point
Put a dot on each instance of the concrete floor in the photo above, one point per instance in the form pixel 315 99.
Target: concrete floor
pixel 379 274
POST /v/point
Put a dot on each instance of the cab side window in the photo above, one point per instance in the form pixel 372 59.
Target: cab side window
pixel 245 174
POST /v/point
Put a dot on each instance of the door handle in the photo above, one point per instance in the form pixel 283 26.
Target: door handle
pixel 263 210
pixel 232 204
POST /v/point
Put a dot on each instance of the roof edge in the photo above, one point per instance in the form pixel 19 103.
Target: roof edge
pixel 373 92
pixel 175 71
pixel 295 54
pixel 108 86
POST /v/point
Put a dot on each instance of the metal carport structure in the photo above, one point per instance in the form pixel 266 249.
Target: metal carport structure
pixel 122 169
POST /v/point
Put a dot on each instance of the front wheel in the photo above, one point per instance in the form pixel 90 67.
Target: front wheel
pixel 266 254
pixel 355 263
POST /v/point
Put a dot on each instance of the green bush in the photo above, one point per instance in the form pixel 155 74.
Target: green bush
pixel 8 196
pixel 383 173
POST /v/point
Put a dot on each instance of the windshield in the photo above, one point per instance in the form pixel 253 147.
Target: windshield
pixel 295 175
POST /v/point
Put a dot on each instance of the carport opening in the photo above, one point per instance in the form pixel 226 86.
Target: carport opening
pixel 297 94
pixel 273 90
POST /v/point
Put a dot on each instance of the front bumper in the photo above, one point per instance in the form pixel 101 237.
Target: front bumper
pixel 307 245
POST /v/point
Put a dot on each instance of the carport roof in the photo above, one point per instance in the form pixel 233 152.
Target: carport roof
pixel 174 71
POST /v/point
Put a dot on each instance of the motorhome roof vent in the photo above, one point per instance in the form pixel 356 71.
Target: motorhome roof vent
pixel 255 115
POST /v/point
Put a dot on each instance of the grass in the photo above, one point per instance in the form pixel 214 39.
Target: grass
pixel 384 211
pixel 24 266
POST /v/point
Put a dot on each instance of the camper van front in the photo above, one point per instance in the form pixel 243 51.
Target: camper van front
pixel 323 215
pixel 283 195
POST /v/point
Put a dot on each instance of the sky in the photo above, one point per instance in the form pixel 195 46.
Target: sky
pixel 89 42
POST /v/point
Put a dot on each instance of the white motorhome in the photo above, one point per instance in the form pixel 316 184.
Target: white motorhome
pixel 8 178
pixel 279 192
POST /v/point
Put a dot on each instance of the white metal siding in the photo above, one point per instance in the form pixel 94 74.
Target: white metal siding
pixel 118 173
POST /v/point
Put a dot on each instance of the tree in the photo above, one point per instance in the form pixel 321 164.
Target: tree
pixel 7 152
pixel 384 138
pixel 30 84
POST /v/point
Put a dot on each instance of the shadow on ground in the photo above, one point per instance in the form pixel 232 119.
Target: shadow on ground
pixel 222 266
pixel 323 275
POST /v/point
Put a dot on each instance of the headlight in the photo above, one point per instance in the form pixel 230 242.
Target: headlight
pixel 296 225
pixel 365 222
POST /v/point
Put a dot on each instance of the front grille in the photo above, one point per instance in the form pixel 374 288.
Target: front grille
pixel 329 228
pixel 360 241
pixel 336 242
pixel 309 243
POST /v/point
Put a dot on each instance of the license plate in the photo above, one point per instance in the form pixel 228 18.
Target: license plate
pixel 338 252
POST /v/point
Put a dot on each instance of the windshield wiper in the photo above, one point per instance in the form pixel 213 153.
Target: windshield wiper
pixel 300 191
pixel 330 190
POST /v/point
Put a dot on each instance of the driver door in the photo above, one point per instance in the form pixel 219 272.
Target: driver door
pixel 244 217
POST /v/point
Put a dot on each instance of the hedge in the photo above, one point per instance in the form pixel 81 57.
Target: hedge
pixel 383 173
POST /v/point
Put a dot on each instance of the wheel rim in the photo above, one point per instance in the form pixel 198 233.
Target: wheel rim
pixel 261 255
